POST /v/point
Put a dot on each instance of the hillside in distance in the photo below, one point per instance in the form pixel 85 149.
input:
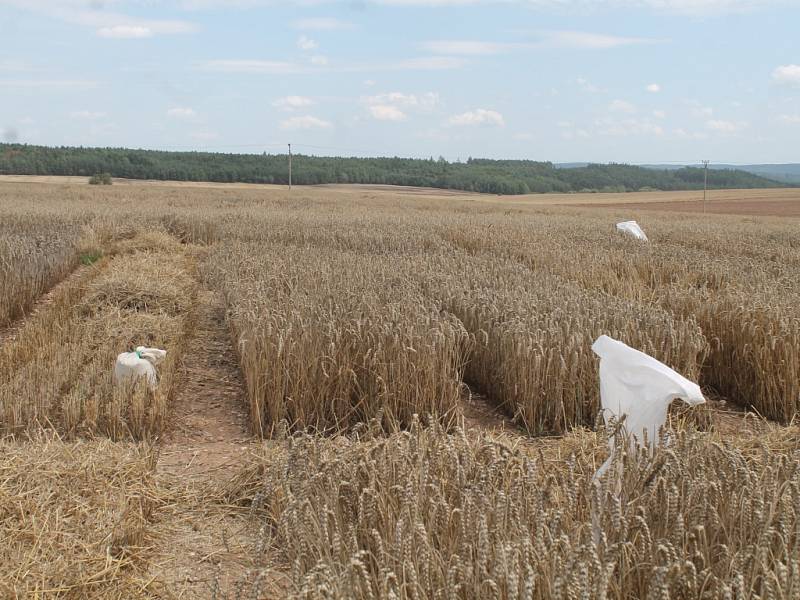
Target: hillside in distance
pixel 789 173
pixel 474 175
pixel 785 173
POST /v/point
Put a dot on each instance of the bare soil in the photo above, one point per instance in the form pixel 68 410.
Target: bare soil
pixel 481 414
pixel 395 189
pixel 210 419
pixel 207 548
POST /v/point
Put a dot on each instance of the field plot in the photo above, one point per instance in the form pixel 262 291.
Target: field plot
pixel 308 437
pixel 779 203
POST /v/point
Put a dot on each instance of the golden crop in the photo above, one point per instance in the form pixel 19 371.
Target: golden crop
pixel 354 318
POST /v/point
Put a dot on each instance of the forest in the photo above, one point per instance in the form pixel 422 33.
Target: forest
pixel 474 175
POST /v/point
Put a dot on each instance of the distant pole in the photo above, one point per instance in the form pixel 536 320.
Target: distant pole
pixel 705 185
pixel 290 167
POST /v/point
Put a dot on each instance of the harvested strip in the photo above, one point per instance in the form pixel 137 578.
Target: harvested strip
pixel 75 519
pixel 59 371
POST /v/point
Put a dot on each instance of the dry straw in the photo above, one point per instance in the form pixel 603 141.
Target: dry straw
pixel 356 312
pixel 425 514
pixel 75 519
pixel 58 371
pixel 34 255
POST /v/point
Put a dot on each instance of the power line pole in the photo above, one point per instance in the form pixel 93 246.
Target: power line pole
pixel 705 185
pixel 290 167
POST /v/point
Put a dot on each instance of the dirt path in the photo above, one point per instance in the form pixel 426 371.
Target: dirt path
pixel 210 419
pixel 481 414
pixel 206 548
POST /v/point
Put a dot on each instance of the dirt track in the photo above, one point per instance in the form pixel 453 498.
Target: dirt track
pixel 777 208
pixel 204 546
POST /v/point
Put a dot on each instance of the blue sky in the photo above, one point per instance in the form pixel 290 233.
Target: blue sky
pixel 563 80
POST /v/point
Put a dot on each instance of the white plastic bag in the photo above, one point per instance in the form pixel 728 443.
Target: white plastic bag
pixel 141 363
pixel 632 228
pixel 641 388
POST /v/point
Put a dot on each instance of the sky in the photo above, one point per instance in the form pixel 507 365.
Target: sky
pixel 638 81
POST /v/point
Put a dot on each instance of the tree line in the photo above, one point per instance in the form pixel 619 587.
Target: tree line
pixel 474 175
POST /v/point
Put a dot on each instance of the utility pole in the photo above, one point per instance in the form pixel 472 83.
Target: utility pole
pixel 290 167
pixel 705 185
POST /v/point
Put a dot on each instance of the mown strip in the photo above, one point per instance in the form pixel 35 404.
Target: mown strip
pixel 57 373
pixel 75 519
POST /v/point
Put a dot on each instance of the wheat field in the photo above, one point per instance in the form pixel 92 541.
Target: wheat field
pixel 358 326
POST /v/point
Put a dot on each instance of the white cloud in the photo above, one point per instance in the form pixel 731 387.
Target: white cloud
pixel 305 122
pixel 570 132
pixel 128 32
pixel 659 114
pixel 87 115
pixel 322 24
pixel 698 110
pixel 790 119
pixel 628 127
pixel 429 2
pixel 594 41
pixel 547 39
pixel 685 7
pixel 687 135
pixel 306 43
pixel 787 75
pixel 121 24
pixel 292 102
pixel 432 63
pixel 587 86
pixel 525 137
pixel 479 116
pixel 653 88
pixel 106 23
pixel 251 66
pixel 427 100
pixel 16 66
pixel 689 7
pixel 392 106
pixel 468 48
pixel 621 106
pixel 179 112
pixel 700 7
pixel 204 136
pixel 721 126
pixel 369 82
pixel 137 28
pixel 47 83
pixel 383 112
pixel 426 63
